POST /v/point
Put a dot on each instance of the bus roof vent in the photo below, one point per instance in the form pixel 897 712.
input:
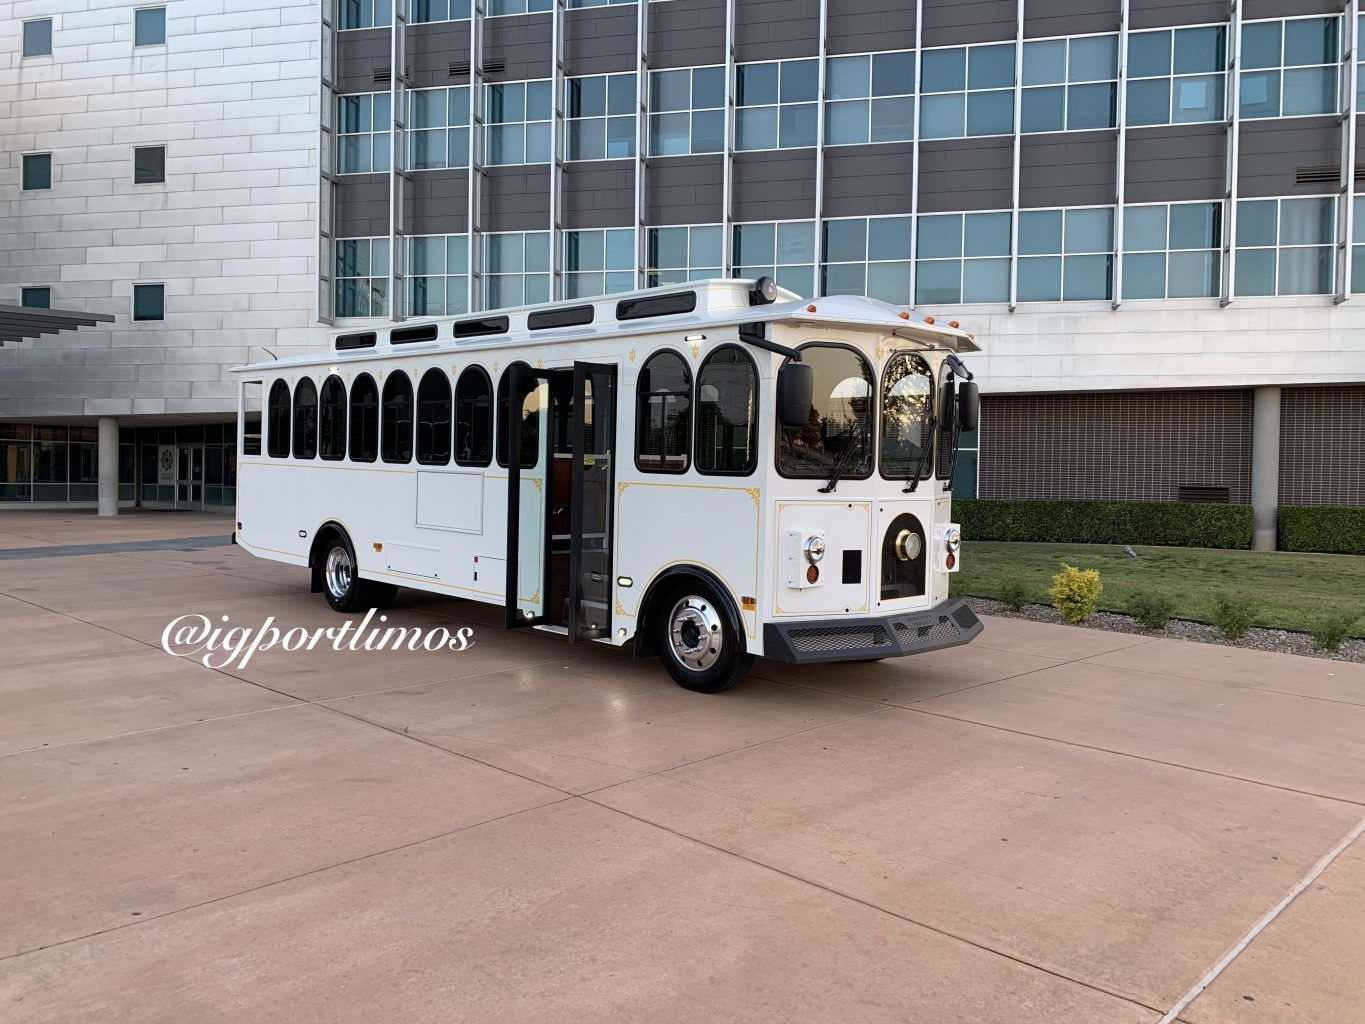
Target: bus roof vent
pixel 365 339
pixel 566 316
pixel 479 327
pixel 656 305
pixel 408 335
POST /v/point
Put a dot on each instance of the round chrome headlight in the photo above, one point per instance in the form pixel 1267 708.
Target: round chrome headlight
pixel 952 539
pixel 815 549
pixel 908 545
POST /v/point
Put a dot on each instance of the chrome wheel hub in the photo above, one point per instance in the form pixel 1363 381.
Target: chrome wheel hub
pixel 338 572
pixel 696 633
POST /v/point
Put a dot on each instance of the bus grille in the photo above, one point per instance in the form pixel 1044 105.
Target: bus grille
pixel 943 629
pixel 838 638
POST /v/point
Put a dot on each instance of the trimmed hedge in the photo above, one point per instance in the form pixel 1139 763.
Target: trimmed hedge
pixel 1332 529
pixel 1165 523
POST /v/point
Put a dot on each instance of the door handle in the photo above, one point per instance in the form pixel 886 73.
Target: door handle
pixel 596 577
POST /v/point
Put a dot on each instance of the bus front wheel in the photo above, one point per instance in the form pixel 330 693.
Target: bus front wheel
pixel 699 646
pixel 345 590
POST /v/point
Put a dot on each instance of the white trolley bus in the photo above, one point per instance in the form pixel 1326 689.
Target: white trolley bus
pixel 714 472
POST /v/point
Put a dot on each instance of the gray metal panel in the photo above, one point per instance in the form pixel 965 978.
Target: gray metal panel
pixel 1067 169
pixel 1164 13
pixel 523 42
pixel 1176 162
pixel 687 33
pixel 1070 17
pixel 438 202
pixel 953 22
pixel 865 181
pixel 359 55
pixel 516 198
pixel 431 50
pixel 1360 150
pixel 684 190
pixel 775 186
pixel 599 194
pixel 1272 150
pixel 362 206
pixel 773 29
pixel 965 174
pixel 599 40
pixel 1255 9
pixel 861 26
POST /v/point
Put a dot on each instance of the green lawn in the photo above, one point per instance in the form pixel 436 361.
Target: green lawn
pixel 1292 590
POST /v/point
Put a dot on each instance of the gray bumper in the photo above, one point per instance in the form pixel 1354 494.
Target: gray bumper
pixel 884 636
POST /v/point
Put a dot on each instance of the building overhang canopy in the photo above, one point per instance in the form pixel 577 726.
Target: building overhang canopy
pixel 21 323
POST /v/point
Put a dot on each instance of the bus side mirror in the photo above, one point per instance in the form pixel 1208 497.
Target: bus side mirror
pixel 968 405
pixel 795 394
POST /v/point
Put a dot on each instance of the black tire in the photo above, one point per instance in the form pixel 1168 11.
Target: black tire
pixel 688 614
pixel 344 589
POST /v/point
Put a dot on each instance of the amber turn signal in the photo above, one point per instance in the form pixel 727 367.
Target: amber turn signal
pixel 812 574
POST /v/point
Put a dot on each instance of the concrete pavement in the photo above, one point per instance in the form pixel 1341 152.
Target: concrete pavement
pixel 1052 824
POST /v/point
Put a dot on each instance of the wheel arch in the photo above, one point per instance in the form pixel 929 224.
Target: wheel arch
pixel 652 607
pixel 321 536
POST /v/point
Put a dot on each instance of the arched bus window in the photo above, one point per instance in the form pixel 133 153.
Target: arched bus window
pixel 433 418
pixel 528 405
pixel 305 419
pixel 277 421
pixel 332 419
pixel 907 415
pixel 727 413
pixel 663 414
pixel 364 419
pixel 395 426
pixel 474 418
pixel 837 435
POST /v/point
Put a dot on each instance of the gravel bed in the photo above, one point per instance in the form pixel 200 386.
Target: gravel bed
pixel 1282 641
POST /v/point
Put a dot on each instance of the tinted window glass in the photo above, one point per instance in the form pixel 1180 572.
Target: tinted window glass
pixel 278 417
pixel 528 406
pixel 727 413
pixel 332 419
pixel 663 414
pixel 396 427
pixel 364 433
pixel 473 418
pixel 838 430
pixel 907 408
pixel 305 419
pixel 433 419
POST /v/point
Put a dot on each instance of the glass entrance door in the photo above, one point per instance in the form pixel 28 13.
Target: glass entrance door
pixel 525 423
pixel 189 476
pixel 590 501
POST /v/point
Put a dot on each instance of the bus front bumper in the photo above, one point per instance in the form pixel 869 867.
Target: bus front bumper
pixel 883 636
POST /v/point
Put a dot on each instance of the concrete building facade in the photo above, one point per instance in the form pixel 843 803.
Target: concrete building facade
pixel 1147 210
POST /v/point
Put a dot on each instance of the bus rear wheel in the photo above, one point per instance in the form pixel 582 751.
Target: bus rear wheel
pixel 700 649
pixel 345 590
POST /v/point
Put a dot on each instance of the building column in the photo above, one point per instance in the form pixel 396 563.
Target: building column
pixel 1265 467
pixel 108 466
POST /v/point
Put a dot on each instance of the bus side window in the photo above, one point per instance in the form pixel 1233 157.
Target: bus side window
pixel 305 419
pixel 278 420
pixel 433 418
pixel 663 414
pixel 474 418
pixel 395 428
pixel 529 405
pixel 332 419
pixel 364 419
pixel 727 413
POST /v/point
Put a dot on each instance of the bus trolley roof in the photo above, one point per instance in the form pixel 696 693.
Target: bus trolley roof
pixel 696 306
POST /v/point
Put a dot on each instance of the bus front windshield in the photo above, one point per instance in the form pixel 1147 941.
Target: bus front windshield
pixel 907 415
pixel 836 440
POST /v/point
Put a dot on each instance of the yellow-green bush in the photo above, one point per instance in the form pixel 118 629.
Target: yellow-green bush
pixel 1075 591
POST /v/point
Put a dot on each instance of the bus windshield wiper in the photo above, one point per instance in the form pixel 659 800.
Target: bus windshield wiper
pixel 844 457
pixel 928 435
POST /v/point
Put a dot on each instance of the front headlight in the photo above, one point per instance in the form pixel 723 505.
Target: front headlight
pixel 952 540
pixel 908 545
pixel 815 549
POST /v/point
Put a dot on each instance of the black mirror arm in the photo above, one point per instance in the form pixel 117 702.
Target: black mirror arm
pixel 957 365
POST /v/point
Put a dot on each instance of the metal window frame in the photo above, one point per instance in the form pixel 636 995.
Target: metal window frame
pixel 557 143
pixel 398 174
pixel 1120 157
pixel 914 143
pixel 1350 80
pixel 642 84
pixel 475 176
pixel 325 214
pixel 1234 134
pixel 727 188
pixel 821 89
pixel 1018 152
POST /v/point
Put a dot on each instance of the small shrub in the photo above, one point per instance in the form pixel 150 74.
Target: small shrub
pixel 1233 616
pixel 1331 632
pixel 1075 591
pixel 1152 610
pixel 1014 594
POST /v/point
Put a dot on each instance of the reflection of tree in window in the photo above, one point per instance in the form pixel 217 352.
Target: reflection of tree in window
pixel 907 396
pixel 473 418
pixel 395 437
pixel 727 410
pixel 332 419
pixel 838 431
pixel 664 396
pixel 529 419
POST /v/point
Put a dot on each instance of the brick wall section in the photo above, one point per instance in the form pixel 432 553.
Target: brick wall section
pixel 1130 446
pixel 1322 446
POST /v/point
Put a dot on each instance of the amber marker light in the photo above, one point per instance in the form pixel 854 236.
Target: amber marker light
pixel 903 315
pixel 928 319
pixel 812 574
pixel 810 308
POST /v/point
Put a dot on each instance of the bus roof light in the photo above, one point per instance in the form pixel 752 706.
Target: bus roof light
pixel 928 319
